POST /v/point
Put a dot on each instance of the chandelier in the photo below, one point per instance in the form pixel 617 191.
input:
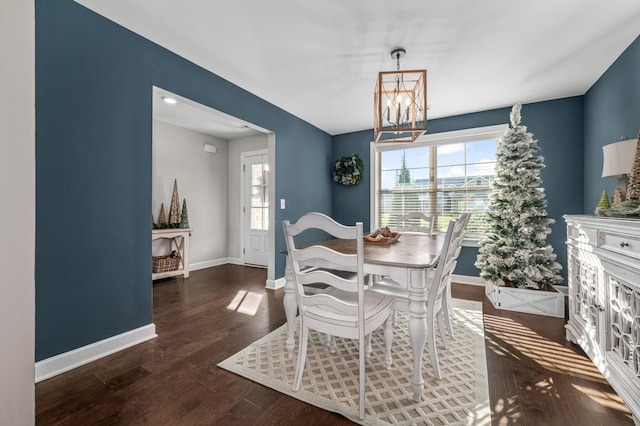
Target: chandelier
pixel 400 103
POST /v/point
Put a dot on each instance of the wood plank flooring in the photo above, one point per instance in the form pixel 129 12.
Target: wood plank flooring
pixel 536 377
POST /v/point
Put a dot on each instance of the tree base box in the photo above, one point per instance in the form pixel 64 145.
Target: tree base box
pixel 540 302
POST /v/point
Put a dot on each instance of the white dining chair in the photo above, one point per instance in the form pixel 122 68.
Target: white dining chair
pixel 439 309
pixel 415 222
pixel 345 310
pixel 448 311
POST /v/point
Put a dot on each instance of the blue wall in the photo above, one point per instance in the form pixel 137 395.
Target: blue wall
pixel 612 110
pixel 557 125
pixel 93 164
pixel 93 169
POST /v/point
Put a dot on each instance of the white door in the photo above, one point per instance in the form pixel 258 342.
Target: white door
pixel 255 209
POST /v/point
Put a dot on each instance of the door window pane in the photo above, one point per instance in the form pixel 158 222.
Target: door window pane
pixel 259 197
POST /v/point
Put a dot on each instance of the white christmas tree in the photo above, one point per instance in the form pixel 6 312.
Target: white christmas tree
pixel 515 251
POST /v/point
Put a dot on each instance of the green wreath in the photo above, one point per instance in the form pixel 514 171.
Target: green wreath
pixel 348 170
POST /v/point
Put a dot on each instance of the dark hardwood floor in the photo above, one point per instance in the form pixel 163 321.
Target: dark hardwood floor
pixel 536 377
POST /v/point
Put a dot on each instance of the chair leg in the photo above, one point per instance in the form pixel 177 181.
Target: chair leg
pixel 331 343
pixel 442 328
pixel 302 358
pixel 361 355
pixel 388 340
pixel 448 309
pixel 431 341
pixel 367 347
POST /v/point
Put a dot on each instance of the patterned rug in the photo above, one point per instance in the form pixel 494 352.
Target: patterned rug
pixel 330 381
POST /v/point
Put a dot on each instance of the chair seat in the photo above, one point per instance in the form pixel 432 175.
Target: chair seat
pixel 375 305
pixel 388 287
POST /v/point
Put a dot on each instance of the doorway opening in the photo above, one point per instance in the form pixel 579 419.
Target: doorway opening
pixel 203 150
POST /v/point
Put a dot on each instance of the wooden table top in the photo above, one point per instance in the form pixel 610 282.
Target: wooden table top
pixel 411 250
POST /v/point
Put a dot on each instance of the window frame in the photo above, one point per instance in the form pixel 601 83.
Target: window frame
pixel 427 140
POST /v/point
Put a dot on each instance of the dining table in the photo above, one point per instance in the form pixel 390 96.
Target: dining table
pixel 406 261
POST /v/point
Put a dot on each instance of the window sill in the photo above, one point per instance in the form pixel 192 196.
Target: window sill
pixel 471 242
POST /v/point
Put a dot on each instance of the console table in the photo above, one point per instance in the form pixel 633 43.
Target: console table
pixel 603 256
pixel 180 243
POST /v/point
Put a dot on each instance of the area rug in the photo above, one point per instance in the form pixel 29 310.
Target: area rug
pixel 330 381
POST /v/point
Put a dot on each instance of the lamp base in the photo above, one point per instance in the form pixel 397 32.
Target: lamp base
pixel 623 183
pixel 620 193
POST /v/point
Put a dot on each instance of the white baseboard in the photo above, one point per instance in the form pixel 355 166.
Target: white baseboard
pixel 58 364
pixel 467 279
pixel 214 262
pixel 275 284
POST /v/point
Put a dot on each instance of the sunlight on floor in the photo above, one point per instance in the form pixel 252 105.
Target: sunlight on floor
pixel 245 302
pixel 507 411
pixel 605 399
pixel 519 341
pixel 507 338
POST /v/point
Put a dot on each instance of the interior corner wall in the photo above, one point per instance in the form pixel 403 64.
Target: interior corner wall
pixel 612 111
pixel 234 226
pixel 94 85
pixel 178 154
pixel 17 170
pixel 556 124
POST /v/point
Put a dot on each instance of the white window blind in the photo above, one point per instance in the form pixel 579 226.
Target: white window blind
pixel 442 174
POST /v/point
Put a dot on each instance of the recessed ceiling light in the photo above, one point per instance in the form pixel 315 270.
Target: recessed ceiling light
pixel 169 100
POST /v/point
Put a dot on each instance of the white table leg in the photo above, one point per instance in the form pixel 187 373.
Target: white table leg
pixel 417 328
pixel 290 308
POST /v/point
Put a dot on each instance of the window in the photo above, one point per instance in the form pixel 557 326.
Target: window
pixel 259 196
pixel 441 174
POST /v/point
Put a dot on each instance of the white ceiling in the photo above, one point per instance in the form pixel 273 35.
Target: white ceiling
pixel 192 115
pixel 319 59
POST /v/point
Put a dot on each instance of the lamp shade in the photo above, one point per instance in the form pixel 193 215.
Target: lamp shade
pixel 618 158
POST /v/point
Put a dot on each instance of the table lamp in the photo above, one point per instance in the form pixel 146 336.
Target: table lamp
pixel 618 161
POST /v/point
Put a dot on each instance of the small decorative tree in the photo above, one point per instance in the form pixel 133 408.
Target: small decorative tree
pixel 515 252
pixel 604 202
pixel 174 209
pixel 617 198
pixel 184 218
pixel 162 218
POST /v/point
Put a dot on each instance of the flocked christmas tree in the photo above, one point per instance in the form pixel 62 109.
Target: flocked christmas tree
pixel 515 251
